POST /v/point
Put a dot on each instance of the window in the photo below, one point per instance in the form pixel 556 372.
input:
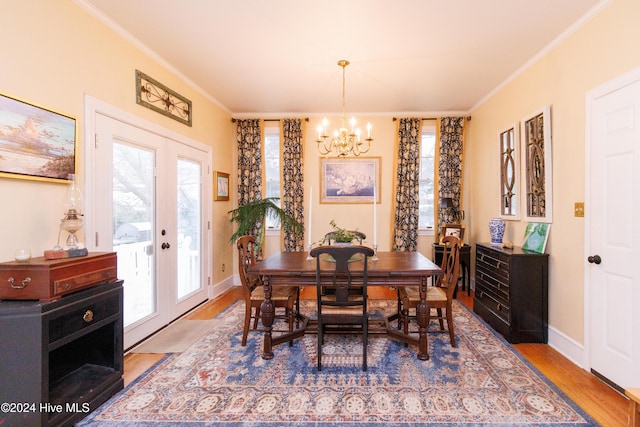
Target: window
pixel 427 174
pixel 272 167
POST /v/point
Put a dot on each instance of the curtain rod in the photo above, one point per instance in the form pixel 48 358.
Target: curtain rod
pixel 434 118
pixel 306 119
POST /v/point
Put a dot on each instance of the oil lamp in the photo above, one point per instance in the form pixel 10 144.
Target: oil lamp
pixel 72 220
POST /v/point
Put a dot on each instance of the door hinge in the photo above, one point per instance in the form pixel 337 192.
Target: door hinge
pixel 95 141
pixel 97 240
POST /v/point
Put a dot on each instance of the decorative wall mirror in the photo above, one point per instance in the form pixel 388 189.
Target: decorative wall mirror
pixel 509 140
pixel 536 164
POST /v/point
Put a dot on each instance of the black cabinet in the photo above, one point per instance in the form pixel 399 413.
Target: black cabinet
pixel 511 292
pixel 62 359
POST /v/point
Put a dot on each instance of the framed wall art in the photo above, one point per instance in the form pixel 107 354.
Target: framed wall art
pixel 535 237
pixel 537 170
pixel 350 180
pixel 220 186
pixel 456 230
pixel 36 143
pixel 509 141
pixel 154 95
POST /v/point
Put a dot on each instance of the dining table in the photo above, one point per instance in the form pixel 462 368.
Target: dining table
pixel 391 269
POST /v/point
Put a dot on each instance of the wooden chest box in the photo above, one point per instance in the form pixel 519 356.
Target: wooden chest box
pixel 47 280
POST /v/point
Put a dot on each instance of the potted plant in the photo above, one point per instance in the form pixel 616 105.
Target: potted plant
pixel 342 235
pixel 255 212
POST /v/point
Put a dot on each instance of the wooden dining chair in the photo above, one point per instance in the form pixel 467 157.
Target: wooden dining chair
pixel 439 296
pixel 337 306
pixel 287 297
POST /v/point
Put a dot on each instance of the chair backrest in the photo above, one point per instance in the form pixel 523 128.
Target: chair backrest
pixel 246 258
pixel 341 280
pixel 450 265
pixel 329 238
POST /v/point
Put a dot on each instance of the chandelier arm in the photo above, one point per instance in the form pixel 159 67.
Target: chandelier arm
pixel 347 139
pixel 322 147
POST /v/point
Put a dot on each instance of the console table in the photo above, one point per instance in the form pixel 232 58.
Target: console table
pixel 62 359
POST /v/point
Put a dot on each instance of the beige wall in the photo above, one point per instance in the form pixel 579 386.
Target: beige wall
pixel 53 54
pixel 353 216
pixel 604 48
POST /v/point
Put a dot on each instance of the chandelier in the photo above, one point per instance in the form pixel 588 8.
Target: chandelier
pixel 345 140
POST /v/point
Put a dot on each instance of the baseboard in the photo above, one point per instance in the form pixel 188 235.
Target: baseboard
pixel 221 287
pixel 563 344
pixel 568 347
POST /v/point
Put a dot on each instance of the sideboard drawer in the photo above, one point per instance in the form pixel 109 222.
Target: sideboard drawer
pixel 66 285
pixel 497 307
pixel 84 317
pixel 494 263
pixel 497 285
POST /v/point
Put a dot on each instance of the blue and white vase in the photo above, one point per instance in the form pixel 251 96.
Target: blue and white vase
pixel 496 228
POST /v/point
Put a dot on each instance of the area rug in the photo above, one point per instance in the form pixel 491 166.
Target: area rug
pixel 217 382
pixel 176 337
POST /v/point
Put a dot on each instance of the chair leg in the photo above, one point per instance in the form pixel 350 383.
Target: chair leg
pixel 247 320
pixel 450 326
pixel 290 313
pixel 440 319
pixel 255 321
pixel 320 340
pixel 405 322
pixel 298 309
pixel 399 311
pixel 365 342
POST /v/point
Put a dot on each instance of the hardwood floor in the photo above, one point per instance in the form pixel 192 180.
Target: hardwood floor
pixel 606 406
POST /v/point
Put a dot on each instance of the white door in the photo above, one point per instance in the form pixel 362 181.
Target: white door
pixel 612 241
pixel 149 208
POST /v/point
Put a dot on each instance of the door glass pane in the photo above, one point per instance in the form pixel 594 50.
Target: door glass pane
pixel 133 208
pixel 189 220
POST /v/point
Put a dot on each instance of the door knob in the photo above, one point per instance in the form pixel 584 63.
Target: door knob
pixel 595 259
pixel 165 245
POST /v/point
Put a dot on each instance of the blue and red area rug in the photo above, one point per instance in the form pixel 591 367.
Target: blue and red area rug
pixel 217 382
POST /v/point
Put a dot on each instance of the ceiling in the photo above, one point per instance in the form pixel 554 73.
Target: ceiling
pixel 279 57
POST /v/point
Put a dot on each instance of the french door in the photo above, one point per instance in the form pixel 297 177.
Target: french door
pixel 149 207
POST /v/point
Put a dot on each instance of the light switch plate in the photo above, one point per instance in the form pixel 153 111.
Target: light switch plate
pixel 578 209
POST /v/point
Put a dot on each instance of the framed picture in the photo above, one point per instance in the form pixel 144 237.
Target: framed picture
pixel 36 143
pixel 456 230
pixel 220 186
pixel 535 236
pixel 537 176
pixel 350 180
pixel 509 141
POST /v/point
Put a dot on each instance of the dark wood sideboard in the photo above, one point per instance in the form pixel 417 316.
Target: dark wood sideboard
pixel 61 359
pixel 511 292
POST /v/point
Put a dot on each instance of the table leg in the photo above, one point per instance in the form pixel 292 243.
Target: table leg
pixel 267 312
pixel 422 317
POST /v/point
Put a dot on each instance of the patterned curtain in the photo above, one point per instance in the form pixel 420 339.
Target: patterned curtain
pixel 292 182
pixel 249 139
pixel 450 167
pixel 405 230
